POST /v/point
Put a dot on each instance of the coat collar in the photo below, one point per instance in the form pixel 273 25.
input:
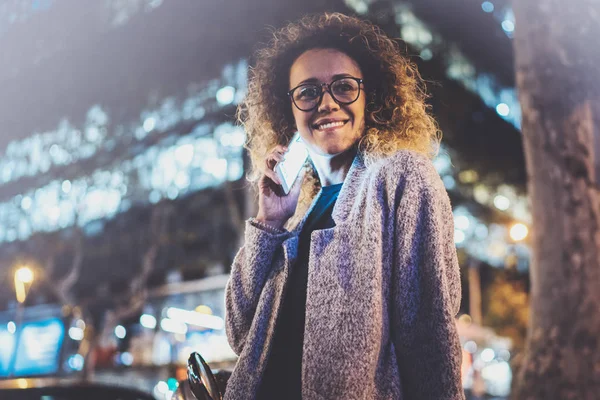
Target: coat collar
pixel 349 191
pixel 346 197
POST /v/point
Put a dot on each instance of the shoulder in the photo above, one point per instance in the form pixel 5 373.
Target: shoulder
pixel 407 167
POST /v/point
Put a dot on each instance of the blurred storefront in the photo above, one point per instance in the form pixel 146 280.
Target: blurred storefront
pixel 41 342
pixel 152 351
pixel 486 369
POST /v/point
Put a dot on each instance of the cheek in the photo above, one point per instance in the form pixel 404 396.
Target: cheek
pixel 359 114
pixel 302 121
pixel 299 119
pixel 359 108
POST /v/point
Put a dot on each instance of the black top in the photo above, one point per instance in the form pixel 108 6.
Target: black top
pixel 282 377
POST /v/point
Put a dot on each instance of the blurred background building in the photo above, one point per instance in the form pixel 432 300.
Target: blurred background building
pixel 122 191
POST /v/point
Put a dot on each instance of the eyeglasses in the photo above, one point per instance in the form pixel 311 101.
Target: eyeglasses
pixel 308 96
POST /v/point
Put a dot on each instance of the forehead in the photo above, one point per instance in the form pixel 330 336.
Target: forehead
pixel 322 65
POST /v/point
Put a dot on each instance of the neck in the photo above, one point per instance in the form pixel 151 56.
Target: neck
pixel 332 169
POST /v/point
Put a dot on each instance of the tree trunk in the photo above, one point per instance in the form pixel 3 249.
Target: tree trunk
pixel 475 292
pixel 557 48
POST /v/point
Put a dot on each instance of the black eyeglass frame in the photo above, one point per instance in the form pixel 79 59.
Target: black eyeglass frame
pixel 327 87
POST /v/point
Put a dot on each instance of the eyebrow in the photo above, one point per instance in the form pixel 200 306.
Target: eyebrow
pixel 315 80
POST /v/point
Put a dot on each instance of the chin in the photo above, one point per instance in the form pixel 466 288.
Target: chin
pixel 331 146
pixel 334 150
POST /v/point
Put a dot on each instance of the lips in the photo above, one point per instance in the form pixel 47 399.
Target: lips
pixel 329 124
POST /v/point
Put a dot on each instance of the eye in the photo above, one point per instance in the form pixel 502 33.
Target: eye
pixel 344 87
pixel 307 92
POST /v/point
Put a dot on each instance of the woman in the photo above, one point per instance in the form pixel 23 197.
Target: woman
pixel 350 293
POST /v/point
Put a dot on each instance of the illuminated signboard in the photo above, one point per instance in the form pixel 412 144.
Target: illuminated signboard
pixel 7 345
pixel 39 347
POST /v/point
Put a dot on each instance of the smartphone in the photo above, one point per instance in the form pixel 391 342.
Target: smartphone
pixel 295 157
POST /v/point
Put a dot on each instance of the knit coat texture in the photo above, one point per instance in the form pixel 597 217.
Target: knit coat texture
pixel 382 295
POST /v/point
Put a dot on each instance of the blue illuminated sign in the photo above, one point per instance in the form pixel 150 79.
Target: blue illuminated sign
pixel 39 347
pixel 7 345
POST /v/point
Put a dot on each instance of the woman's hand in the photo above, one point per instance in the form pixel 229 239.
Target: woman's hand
pixel 274 206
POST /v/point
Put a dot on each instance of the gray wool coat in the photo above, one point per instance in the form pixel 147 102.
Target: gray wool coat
pixel 383 291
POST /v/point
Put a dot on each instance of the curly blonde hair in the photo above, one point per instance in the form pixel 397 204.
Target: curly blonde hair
pixel 396 115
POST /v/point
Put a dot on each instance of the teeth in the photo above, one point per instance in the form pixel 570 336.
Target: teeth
pixel 331 125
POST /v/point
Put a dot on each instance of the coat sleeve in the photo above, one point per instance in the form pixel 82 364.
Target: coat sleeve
pixel 426 292
pixel 249 272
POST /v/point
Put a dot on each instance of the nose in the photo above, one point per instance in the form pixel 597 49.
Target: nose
pixel 328 103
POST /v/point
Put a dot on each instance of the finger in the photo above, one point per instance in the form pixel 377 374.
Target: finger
pixel 277 157
pixel 280 148
pixel 272 176
pixel 272 160
pixel 270 164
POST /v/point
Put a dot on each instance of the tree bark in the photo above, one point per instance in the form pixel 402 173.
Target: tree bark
pixel 557 53
pixel 475 292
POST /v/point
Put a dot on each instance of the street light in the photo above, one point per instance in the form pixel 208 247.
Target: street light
pixel 23 277
pixel 518 232
pixel 24 274
pixel 23 280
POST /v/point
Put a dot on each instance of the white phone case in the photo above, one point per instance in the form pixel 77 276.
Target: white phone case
pixel 288 169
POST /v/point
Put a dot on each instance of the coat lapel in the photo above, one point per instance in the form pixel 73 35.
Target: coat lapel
pixel 349 191
pixel 345 198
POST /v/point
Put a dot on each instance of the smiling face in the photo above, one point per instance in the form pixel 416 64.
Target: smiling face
pixel 331 128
